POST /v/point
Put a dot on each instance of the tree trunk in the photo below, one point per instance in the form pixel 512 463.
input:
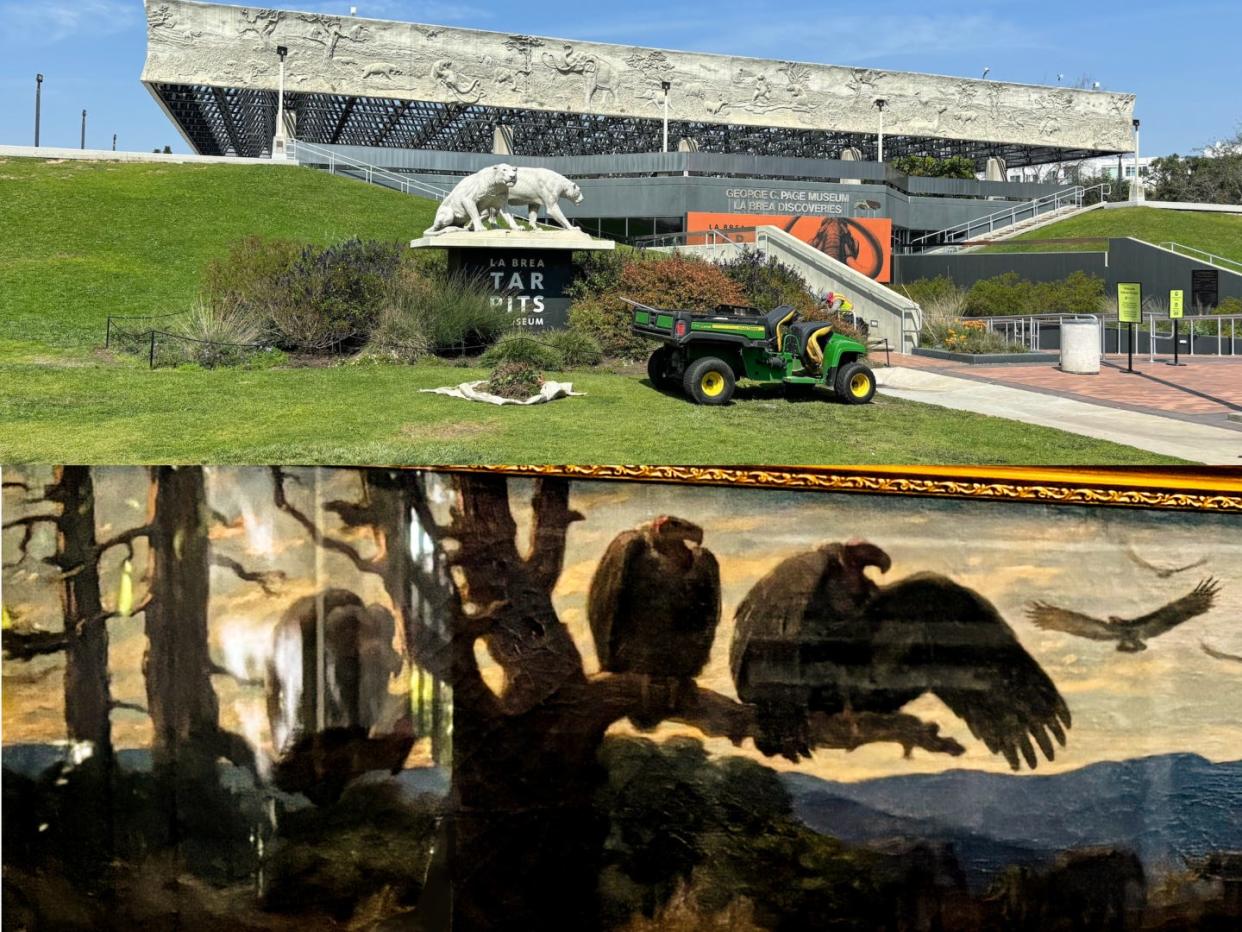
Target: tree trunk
pixel 88 702
pixel 526 840
pixel 182 703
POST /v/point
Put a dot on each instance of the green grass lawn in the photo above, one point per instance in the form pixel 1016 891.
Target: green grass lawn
pixel 375 414
pixel 1216 233
pixel 81 240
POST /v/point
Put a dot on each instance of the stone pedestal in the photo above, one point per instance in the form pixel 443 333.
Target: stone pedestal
pixel 529 272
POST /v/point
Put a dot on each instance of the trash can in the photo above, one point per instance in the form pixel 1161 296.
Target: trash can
pixel 1080 345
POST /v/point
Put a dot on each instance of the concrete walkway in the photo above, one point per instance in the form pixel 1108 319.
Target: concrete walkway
pixel 1169 436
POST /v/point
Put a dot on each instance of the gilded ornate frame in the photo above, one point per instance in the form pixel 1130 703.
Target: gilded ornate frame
pixel 1211 489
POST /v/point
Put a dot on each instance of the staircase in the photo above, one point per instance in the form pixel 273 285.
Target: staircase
pixel 325 159
pixel 1012 221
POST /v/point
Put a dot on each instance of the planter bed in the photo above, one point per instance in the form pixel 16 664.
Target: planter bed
pixel 989 359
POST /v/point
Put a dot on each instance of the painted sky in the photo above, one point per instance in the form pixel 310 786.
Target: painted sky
pixel 1178 58
pixel 1173 697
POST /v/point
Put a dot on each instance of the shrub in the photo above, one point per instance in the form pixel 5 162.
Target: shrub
pixel 1079 293
pixel 1228 305
pixel 454 312
pixel 248 275
pixel 578 350
pixel 398 337
pixel 217 333
pixel 519 347
pixel 330 298
pixel 923 291
pixel 518 380
pixel 955 166
pixel 768 282
pixel 966 336
pixel 672 282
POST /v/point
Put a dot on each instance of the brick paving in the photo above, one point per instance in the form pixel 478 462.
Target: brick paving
pixel 1206 390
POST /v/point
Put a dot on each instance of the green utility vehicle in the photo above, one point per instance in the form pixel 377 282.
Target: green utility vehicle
pixel 705 354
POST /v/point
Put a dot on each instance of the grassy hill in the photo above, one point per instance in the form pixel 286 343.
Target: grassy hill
pixel 1216 233
pixel 82 240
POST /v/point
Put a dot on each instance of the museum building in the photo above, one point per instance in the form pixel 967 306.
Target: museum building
pixel 659 141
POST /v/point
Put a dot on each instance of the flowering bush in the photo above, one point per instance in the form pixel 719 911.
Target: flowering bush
pixel 966 336
pixel 677 282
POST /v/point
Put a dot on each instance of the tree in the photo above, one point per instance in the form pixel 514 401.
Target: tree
pixel 1212 177
pixel 84 635
pixel 522 845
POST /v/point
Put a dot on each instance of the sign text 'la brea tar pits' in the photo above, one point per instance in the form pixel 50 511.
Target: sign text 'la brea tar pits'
pixel 529 283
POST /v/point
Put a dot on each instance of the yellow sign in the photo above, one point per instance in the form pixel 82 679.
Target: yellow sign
pixel 1130 302
pixel 1175 303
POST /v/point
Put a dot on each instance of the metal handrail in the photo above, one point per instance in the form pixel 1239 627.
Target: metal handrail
pixel 1058 199
pixel 407 185
pixel 1209 257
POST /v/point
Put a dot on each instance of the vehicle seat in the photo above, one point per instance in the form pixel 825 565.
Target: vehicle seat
pixel 777 321
pixel 811 336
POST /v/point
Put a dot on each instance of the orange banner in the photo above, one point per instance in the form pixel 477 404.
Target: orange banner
pixel 862 243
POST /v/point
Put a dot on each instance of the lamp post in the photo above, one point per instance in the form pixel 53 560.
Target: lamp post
pixel 114 142
pixel 279 142
pixel 666 86
pixel 38 104
pixel 83 129
pixel 880 104
pixel 1136 190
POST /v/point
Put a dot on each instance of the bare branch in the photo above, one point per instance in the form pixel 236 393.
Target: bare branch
pixel 216 670
pixel 362 564
pixel 549 530
pixel 28 526
pixel 615 695
pixel 130 706
pixel 124 539
pixel 270 581
pixel 25 645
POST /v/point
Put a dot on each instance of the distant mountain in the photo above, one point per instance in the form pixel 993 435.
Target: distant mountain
pixel 1163 808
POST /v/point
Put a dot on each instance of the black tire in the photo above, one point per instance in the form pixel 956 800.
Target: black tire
pixel 709 381
pixel 658 365
pixel 855 384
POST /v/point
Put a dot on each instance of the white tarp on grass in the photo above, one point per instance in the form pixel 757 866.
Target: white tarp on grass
pixel 550 391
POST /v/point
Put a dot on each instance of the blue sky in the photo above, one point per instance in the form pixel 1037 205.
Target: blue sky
pixel 1182 60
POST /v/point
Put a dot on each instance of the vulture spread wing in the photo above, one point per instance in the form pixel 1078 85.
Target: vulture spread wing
pixel 607 587
pixel 1168 617
pixel 1055 618
pixel 934 635
pixel 775 605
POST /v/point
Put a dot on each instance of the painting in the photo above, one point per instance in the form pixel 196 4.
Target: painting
pixel 313 698
pixel 865 244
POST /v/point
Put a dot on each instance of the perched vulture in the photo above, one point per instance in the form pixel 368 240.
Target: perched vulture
pixel 816 635
pixel 1129 633
pixel 654 603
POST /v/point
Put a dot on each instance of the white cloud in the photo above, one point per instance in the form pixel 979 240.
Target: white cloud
pixel 53 20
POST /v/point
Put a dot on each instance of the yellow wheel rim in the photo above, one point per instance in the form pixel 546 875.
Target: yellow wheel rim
pixel 860 384
pixel 712 383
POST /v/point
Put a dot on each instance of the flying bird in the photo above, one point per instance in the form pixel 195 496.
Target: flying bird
pixel 817 635
pixel 1219 654
pixel 654 605
pixel 1164 572
pixel 1129 633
